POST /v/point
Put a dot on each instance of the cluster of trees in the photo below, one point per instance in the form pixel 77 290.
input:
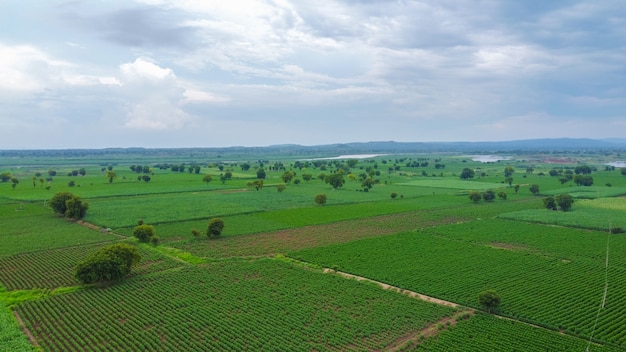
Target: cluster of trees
pixel 141 169
pixel 69 205
pixel 110 263
pixel 215 228
pixel 488 196
pixel 80 172
pixel 561 201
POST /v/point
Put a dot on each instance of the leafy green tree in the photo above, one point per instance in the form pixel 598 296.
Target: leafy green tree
pixel 336 180
pixel 307 177
pixel 623 171
pixel 489 299
pixel 110 263
pixel 75 208
pixel 110 174
pixel 502 195
pixel 260 174
pixel 368 183
pixel 508 171
pixel 534 189
pixel 564 201
pixel 287 176
pixel 14 182
pixel 467 174
pixel 215 228
pixel 320 199
pixel 146 178
pixel 489 195
pixel 583 170
pixel 245 166
pixel 583 180
pixel 5 176
pixel 352 162
pixel 549 203
pixel 58 202
pixel 475 196
pixel 207 178
pixel 516 188
pixel 509 180
pixel 144 232
pixel 280 188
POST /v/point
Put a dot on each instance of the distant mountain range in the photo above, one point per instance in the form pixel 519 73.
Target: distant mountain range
pixel 571 145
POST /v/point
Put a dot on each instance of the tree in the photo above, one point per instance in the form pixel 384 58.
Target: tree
pixel 475 196
pixel 5 176
pixel 287 176
pixel 146 178
pixel 75 208
pixel 14 182
pixel 207 178
pixel 368 183
pixel 111 175
pixel 549 203
pixel 564 201
pixel 58 202
pixel 623 171
pixel 320 199
pixel 583 169
pixel 109 263
pixel 489 300
pixel 280 188
pixel 516 188
pixel 583 180
pixel 144 232
pixel 260 173
pixel 336 180
pixel 245 166
pixel 394 195
pixel 215 228
pixel 502 195
pixel 307 177
pixel 489 195
pixel 534 189
pixel 467 174
pixel 508 171
pixel 509 180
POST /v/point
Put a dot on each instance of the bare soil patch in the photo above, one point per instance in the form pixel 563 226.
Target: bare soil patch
pixel 508 246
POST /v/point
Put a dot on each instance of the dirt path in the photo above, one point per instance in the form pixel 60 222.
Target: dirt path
pixel 413 339
pixel 98 228
pixel 396 289
pixel 31 338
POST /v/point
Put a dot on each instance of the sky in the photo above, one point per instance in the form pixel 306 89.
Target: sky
pixel 203 73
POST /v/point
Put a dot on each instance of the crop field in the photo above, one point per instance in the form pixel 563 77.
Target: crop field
pixel 278 277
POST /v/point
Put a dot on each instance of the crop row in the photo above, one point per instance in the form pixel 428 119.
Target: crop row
pixel 55 268
pixel 543 287
pixel 262 305
pixel 486 333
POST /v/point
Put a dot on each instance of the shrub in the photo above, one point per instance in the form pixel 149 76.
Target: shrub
pixel 216 226
pixel 109 263
pixel 320 199
pixel 144 232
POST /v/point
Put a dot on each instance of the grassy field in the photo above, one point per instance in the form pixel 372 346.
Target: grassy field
pixel 261 286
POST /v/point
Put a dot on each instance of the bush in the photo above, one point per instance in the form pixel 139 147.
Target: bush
pixel 144 232
pixel 320 199
pixel 109 263
pixel 216 226
pixel 76 208
pixel 57 203
pixel 394 195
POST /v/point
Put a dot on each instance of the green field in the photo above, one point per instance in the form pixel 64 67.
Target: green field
pixel 273 279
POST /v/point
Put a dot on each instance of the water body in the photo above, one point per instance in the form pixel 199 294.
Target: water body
pixel 618 164
pixel 489 158
pixel 352 156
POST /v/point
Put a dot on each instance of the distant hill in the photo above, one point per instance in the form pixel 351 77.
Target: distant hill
pixel 380 147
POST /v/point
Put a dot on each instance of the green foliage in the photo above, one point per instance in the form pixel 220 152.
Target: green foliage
pixel 489 195
pixel 321 199
pixel 489 299
pixel 76 208
pixel 336 180
pixel 281 188
pixel 549 203
pixel 58 202
pixel 534 189
pixel 467 174
pixel 110 263
pixel 144 233
pixel 564 201
pixel 475 196
pixel 215 228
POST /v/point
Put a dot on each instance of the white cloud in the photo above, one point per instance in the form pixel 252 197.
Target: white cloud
pixel 25 68
pixel 143 68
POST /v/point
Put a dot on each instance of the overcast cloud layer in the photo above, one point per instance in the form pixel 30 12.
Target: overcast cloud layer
pixel 199 73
